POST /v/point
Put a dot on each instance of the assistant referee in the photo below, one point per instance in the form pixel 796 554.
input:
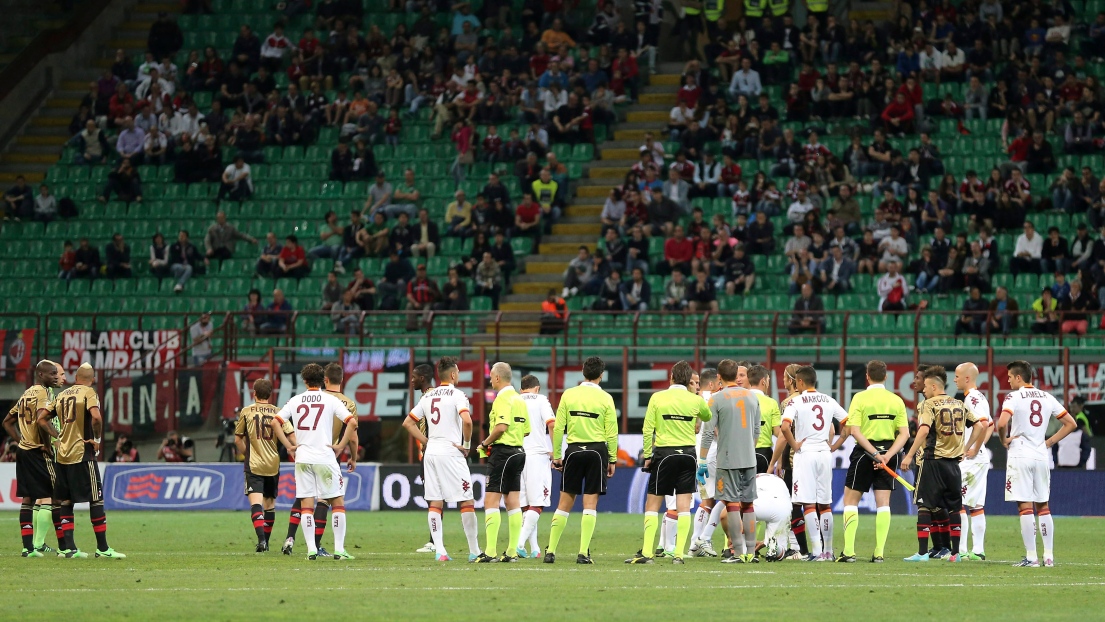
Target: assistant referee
pixel 587 415
pixel 877 420
pixel 506 459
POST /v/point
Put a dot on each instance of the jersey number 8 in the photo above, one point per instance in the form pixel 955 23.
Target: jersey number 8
pixel 1035 413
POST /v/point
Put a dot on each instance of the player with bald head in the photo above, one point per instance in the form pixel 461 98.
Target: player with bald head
pixel 77 476
pixel 34 467
pixel 975 465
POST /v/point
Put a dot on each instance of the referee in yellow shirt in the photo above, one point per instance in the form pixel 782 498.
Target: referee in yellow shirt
pixel 503 446
pixel 877 420
pixel 587 416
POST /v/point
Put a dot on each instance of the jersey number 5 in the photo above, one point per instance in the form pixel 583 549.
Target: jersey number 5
pixel 304 411
pixel 435 412
pixel 820 412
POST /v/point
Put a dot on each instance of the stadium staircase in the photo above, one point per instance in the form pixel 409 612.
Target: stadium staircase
pixel 34 151
pixel 580 225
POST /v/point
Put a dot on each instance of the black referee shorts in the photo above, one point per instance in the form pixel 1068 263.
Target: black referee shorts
pixel 34 474
pixel 264 484
pixel 504 469
pixel 78 483
pixel 940 484
pixel 585 469
pixel 788 467
pixel 763 458
pixel 862 475
pixel 672 471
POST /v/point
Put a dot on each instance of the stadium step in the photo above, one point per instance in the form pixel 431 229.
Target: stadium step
pixel 666 99
pixel 650 116
pixel 576 229
pixel 622 153
pixel 665 79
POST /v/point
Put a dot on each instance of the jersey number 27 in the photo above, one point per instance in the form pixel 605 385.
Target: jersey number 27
pixel 304 411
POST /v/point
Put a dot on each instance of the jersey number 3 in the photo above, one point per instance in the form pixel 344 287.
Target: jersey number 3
pixel 304 411
pixel 820 412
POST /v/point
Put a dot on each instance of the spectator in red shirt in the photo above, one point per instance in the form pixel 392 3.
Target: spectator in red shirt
pixel 292 261
pixel 807 77
pixel 729 177
pixel 678 253
pixel 422 293
pixel 625 66
pixel 689 93
pixel 492 144
pixel 527 219
pixel 898 116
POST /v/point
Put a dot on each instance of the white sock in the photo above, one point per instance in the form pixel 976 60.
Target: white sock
pixel 1028 534
pixel 713 522
pixel 792 542
pixel 827 530
pixel 978 534
pixel 433 517
pixel 307 526
pixel 339 530
pixel 471 531
pixel 529 528
pixel 1047 533
pixel 534 545
pixel 965 529
pixel 672 533
pixel 813 532
pixel 663 532
pixel 701 517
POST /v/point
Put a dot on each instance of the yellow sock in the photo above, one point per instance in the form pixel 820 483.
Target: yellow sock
pixel 682 533
pixel 491 521
pixel 559 522
pixel 882 529
pixel 587 529
pixel 851 526
pixel 514 527
pixel 650 534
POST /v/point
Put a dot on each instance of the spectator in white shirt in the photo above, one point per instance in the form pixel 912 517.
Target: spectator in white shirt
pixel 1058 35
pixel 894 249
pixel 931 60
pixel 237 182
pixel 746 81
pixel 800 207
pixel 1027 251
pixel 680 117
pixel 275 46
pixel 554 98
pixel 168 88
pixel 187 122
pixel 954 63
pixel 893 289
pixel 156 147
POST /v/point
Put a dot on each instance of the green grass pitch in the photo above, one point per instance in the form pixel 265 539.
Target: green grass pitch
pixel 201 565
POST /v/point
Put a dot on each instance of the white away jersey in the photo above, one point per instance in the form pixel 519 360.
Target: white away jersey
pixel 540 414
pixel 314 414
pixel 976 402
pixel 442 407
pixel 711 455
pixel 1031 409
pixel 811 414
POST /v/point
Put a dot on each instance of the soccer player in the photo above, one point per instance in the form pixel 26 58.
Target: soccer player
pixel 537 474
pixel 941 424
pixel 587 417
pixel 77 478
pixel 807 424
pixel 34 467
pixel 447 477
pixel 254 439
pixel 736 458
pixel 925 524
pixel 1022 426
pixel 708 515
pixel 317 474
pixel 422 380
pixel 669 458
pixel 783 465
pixel 773 509
pixel 509 422
pixel 768 449
pixel 975 465
pixel 877 421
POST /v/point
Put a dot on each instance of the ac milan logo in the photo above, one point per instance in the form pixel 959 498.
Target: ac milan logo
pixel 464 486
pixel 17 350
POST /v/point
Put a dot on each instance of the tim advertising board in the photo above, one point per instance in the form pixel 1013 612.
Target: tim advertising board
pixel 215 486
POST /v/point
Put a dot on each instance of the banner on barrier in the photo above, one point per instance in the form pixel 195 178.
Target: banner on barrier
pixel 9 497
pixel 15 354
pixel 120 349
pixel 213 486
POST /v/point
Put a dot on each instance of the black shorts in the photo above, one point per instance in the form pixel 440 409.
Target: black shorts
pixel 34 474
pixel 763 458
pixel 863 476
pixel 264 484
pixel 940 485
pixel 672 471
pixel 504 469
pixel 78 483
pixel 788 467
pixel 585 469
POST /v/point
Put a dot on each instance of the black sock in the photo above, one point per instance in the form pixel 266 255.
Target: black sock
pixel 320 522
pixel 293 520
pixel 99 524
pixel 940 533
pixel 55 513
pixel 67 527
pixel 270 518
pixel 955 530
pixel 27 525
pixel 798 528
pixel 257 515
pixel 924 527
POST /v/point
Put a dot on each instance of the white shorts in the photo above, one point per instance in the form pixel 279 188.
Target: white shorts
pixel 447 478
pixel 707 490
pixel 1027 480
pixel 813 478
pixel 669 502
pixel 974 482
pixel 536 480
pixel 319 481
